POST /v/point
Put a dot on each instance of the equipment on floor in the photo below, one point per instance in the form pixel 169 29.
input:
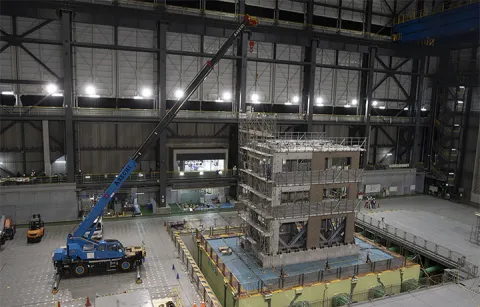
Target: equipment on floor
pixel 7 229
pixel 36 229
pixel 82 254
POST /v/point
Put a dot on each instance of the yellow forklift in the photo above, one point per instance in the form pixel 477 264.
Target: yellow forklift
pixel 36 229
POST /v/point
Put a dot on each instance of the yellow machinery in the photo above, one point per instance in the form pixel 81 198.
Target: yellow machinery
pixel 36 229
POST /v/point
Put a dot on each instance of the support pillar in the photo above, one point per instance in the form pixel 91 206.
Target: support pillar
pixel 66 22
pixel 47 165
pixel 369 94
pixel 418 109
pixel 240 104
pixel 162 148
pixel 308 92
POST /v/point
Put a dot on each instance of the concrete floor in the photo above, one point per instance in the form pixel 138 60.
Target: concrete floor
pixel 26 270
pixel 440 221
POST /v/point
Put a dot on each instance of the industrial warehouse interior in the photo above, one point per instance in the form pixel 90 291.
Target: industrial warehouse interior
pixel 239 153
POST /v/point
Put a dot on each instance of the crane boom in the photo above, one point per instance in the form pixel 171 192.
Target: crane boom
pixel 97 210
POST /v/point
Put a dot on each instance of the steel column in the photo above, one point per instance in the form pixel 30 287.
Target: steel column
pixel 47 165
pixel 240 104
pixel 162 103
pixel 308 98
pixel 369 94
pixel 68 101
pixel 418 109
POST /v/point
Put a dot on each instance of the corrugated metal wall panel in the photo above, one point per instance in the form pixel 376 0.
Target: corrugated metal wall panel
pixel 259 81
pixel 287 83
pixel 292 6
pixel 324 85
pixel 326 11
pixel 6 57
pixel 94 67
pixel 261 3
pixel 347 86
pixel 186 129
pixel 350 15
pixel 88 33
pixel 261 50
pixel 206 129
pixel 33 137
pixel 336 130
pixel 476 99
pixel 96 134
pixel 135 37
pixel 219 81
pixel 135 72
pixel 133 134
pixel 383 139
pixel 12 137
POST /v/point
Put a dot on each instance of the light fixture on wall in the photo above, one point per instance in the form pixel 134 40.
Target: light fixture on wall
pixel 374 103
pixel 405 109
pixel 137 97
pixel 354 102
pixel 381 107
pixel 288 103
pixel 296 99
pixel 8 93
pixel 201 173
pixel 389 154
pixel 460 102
pixel 423 109
pixel 347 106
pixel 319 101
pixel 1 162
pixel 227 96
pixel 51 88
pixel 220 172
pixel 178 94
pixel 60 161
pixel 255 97
pixel 182 173
pixel 147 92
pixel 90 90
pixel 57 95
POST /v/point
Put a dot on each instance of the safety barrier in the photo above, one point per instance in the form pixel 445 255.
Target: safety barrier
pixel 318 177
pixel 260 286
pixel 438 250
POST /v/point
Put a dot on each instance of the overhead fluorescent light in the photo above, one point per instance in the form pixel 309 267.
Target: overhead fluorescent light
pixel 255 97
pixel 182 173
pixel 374 103
pixel 140 175
pixel 462 87
pixel 219 100
pixel 61 161
pixel 296 99
pixel 451 173
pixel 460 101
pixel 201 173
pixel 220 172
pixel 57 95
pixel 51 88
pixel 389 154
pixel 347 106
pixel 227 96
pixel 288 103
pixel 90 90
pixel 354 102
pixel 8 93
pixel 423 109
pixel 405 109
pixel 87 177
pixel 137 97
pixel 178 94
pixel 146 92
pixel 382 107
pixel 94 96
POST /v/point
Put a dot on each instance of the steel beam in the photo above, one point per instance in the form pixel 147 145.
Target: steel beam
pixel 66 22
pixel 60 144
pixel 369 94
pixel 308 98
pixel 4 129
pixel 20 81
pixel 418 106
pixel 111 15
pixel 47 165
pixel 37 27
pixel 39 61
pixel 162 148
pixel 240 104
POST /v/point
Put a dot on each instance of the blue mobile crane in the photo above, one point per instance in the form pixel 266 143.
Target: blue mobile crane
pixel 82 254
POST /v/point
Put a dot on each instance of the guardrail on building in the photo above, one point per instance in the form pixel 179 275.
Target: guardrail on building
pixel 440 251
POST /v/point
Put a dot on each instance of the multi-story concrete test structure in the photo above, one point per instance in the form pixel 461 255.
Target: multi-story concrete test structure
pixel 299 191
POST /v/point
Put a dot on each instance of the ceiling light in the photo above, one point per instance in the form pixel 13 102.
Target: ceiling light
pixel 90 90
pixel 8 93
pixel 354 102
pixel 51 88
pixel 1 162
pixel 137 97
pixel 227 96
pixel 288 103
pixel 219 100
pixel 374 103
pixel 319 100
pixel 146 92
pixel 451 174
pixel 57 95
pixel 140 175
pixel 201 173
pixel 381 107
pixel 389 154
pixel 296 99
pixel 462 87
pixel 61 161
pixel 255 97
pixel 460 101
pixel 182 173
pixel 423 109
pixel 405 109
pixel 94 96
pixel 457 125
pixel 454 149
pixel 178 94
pixel 347 106
pixel 220 172
pixel 255 102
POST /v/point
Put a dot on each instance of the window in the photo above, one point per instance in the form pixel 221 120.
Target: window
pixel 113 247
pixel 101 248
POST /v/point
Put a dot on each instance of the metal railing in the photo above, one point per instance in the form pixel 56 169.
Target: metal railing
pixel 446 6
pixel 438 250
pixel 32 180
pixel 326 207
pixel 318 177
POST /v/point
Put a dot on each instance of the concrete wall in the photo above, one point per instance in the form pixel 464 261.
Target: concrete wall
pixel 55 202
pixel 402 179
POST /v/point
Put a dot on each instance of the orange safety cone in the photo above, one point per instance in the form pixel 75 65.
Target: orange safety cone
pixel 203 304
pixel 194 304
pixel 87 303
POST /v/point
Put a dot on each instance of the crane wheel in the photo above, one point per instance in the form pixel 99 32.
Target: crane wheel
pixel 79 269
pixel 125 265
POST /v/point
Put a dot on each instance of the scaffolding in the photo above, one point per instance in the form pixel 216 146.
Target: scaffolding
pixel 475 234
